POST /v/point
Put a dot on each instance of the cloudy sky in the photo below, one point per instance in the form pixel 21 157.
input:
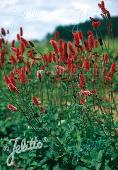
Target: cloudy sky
pixel 38 17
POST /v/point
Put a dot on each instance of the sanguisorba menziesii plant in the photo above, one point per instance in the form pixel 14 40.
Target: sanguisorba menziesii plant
pixel 66 95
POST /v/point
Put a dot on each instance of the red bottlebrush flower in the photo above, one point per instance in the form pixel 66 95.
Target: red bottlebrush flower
pixel 14 49
pixel 90 33
pixel 86 64
pixel 13 43
pixel 112 71
pixel 96 43
pixel 104 73
pixel 91 41
pixel 54 45
pixel 12 87
pixel 13 60
pixel 82 101
pixel 2 57
pixel 28 66
pixel 109 77
pixel 61 46
pixel 12 78
pixel 36 101
pixel 69 62
pixel 60 69
pixel 86 46
pixel 11 107
pixel 21 31
pixel 71 49
pixel 106 58
pixel 96 24
pixel 0 42
pixel 24 41
pixel 81 81
pixel 54 58
pixel 22 75
pixel 56 35
pixel 95 69
pixel 102 7
pixel 6 79
pixel 18 37
pixel 79 65
pixel 22 47
pixel 76 38
pixel 3 32
pixel 102 4
pixel 80 35
pixel 39 74
pixel 0 65
pixel 113 68
pixel 31 54
pixel 47 58
pixel 73 69
pixel 87 92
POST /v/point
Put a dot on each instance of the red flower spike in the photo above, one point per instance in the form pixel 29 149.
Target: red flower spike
pixel 113 68
pixel 12 87
pixel 18 37
pixel 0 42
pixel 31 54
pixel 70 46
pixel 22 47
pixel 36 101
pixel 73 69
pixel 61 46
pixel 6 79
pixel 54 45
pixel 80 35
pixel 21 31
pixel 96 43
pixel 2 56
pixel 81 81
pixel 56 35
pixel 13 60
pixel 60 70
pixel 95 69
pixel 82 101
pixel 12 78
pixel 11 107
pixel 13 43
pixel 24 41
pixel 14 49
pixel 54 58
pixel 22 75
pixel 76 39
pixel 38 74
pixel 96 24
pixel 91 41
pixel 104 73
pixel 65 48
pixel 86 64
pixel 1 65
pixel 109 77
pixel 90 33
pixel 87 92
pixel 106 58
pixel 28 66
pixel 102 7
pixel 3 32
